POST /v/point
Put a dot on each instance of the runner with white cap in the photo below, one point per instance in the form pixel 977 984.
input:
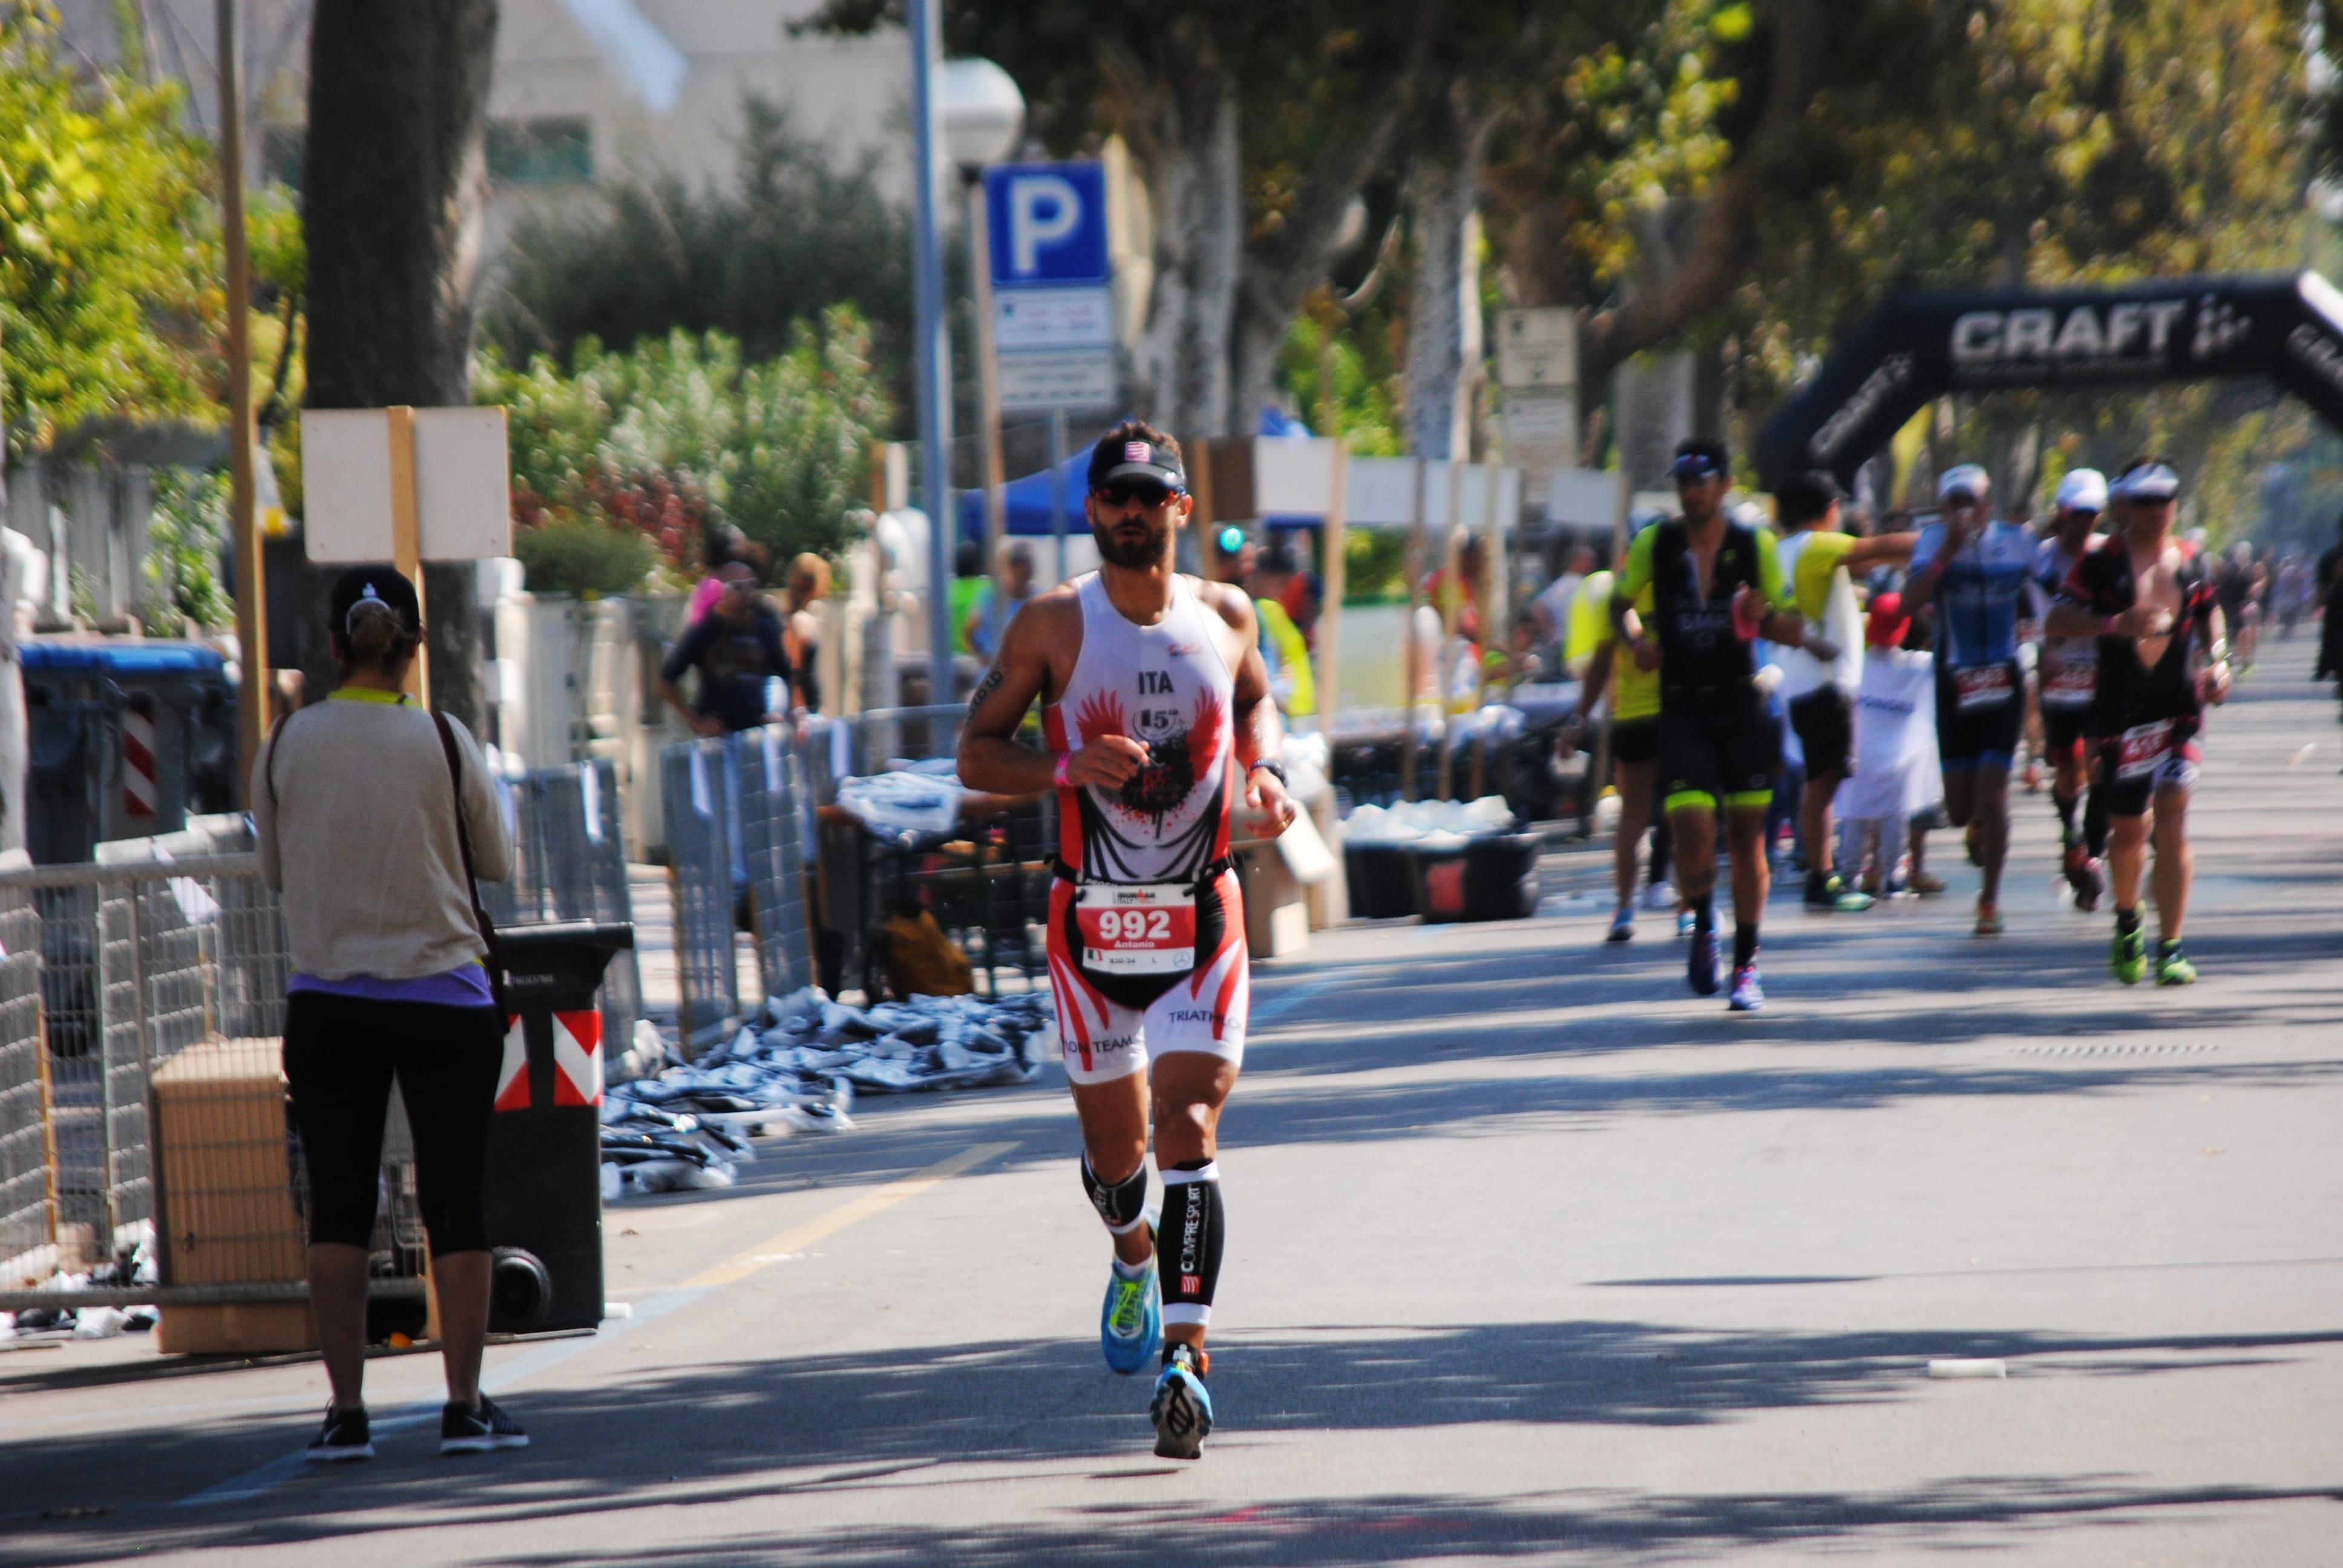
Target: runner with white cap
pixel 2163 657
pixel 1974 569
pixel 2069 675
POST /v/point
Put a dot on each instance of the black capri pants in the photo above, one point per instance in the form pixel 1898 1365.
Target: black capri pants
pixel 339 1055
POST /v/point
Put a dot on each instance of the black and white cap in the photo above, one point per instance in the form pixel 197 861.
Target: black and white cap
pixel 1122 456
pixel 381 585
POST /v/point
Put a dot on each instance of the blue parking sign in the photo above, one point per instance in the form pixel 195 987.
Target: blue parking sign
pixel 1048 224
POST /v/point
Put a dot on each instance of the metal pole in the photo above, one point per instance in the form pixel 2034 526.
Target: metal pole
pixel 933 345
pixel 251 607
pixel 988 396
pixel 1057 485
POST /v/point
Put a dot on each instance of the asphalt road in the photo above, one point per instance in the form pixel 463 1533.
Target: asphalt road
pixel 1534 1257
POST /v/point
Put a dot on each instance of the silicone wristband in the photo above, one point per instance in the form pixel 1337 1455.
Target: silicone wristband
pixel 1058 776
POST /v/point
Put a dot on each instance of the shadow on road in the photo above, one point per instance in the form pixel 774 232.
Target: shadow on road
pixel 721 1431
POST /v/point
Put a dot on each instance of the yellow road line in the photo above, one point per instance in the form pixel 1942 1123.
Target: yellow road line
pixel 798 1238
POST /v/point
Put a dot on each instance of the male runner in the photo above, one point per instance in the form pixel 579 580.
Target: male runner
pixel 1157 711
pixel 2163 656
pixel 1634 757
pixel 1973 567
pixel 2069 671
pixel 1716 585
pixel 1819 681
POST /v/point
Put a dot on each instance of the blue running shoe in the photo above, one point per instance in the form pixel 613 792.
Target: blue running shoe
pixel 1130 1323
pixel 1182 1409
pixel 1701 970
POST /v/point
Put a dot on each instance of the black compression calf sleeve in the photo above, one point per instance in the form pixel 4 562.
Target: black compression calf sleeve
pixel 1123 1206
pixel 1659 871
pixel 1188 1242
pixel 2095 823
pixel 1703 912
pixel 1744 944
pixel 2066 804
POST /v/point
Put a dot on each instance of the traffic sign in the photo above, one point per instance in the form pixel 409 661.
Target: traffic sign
pixel 1076 317
pixel 1058 378
pixel 1537 347
pixel 1047 225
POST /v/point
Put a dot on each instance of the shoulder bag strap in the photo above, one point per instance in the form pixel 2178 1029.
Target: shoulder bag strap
pixel 495 963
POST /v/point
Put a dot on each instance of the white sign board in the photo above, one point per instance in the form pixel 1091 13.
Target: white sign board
pixel 1537 347
pixel 1586 500
pixel 1380 492
pixel 463 487
pixel 1040 318
pixel 1058 378
pixel 1292 478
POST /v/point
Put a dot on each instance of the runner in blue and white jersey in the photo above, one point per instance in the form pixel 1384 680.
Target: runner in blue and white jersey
pixel 1974 570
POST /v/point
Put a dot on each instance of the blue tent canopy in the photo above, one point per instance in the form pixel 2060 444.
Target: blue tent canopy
pixel 1028 500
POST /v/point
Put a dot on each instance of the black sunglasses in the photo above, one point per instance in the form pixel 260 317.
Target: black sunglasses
pixel 1146 492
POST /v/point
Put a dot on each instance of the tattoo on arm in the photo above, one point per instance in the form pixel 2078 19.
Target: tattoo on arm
pixel 993 681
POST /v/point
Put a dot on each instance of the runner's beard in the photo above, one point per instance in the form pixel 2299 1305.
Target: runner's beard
pixel 1130 556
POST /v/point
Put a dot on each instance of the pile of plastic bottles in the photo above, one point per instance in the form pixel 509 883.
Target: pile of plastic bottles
pixel 796 1069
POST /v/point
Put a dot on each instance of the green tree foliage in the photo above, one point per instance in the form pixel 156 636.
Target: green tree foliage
pixel 185 540
pixel 683 429
pixel 793 236
pixel 109 305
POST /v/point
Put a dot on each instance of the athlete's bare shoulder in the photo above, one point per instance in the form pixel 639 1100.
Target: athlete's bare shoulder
pixel 1230 602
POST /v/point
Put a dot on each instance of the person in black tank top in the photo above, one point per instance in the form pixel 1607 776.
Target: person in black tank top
pixel 1717 586
pixel 2133 588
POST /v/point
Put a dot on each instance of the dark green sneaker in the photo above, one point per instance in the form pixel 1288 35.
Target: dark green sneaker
pixel 2172 966
pixel 2128 958
pixel 1831 896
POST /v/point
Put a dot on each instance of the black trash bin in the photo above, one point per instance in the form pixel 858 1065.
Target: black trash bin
pixel 544 1147
pixel 1489 877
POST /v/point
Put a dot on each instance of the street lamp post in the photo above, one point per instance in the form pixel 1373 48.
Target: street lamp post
pixel 983 114
pixel 933 345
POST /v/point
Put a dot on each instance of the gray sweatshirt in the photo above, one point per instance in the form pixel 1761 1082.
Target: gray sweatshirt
pixel 355 817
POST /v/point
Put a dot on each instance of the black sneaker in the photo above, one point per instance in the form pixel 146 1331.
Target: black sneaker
pixel 479 1429
pixel 345 1436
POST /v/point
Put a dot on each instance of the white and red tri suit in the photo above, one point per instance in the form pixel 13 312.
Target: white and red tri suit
pixel 1146 937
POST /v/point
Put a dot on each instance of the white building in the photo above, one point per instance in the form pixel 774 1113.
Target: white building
pixel 586 92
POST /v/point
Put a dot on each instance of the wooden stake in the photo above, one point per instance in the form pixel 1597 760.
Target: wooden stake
pixel 1333 571
pixel 406 532
pixel 251 595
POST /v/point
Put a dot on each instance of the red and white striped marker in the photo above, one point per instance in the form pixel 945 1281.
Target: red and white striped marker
pixel 138 791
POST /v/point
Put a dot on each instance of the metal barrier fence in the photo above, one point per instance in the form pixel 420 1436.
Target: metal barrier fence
pixel 740 831
pixel 569 863
pixel 775 792
pixel 141 1004
pixel 700 784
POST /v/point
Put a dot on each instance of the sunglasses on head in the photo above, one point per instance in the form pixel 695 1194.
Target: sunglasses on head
pixel 1694 468
pixel 1146 492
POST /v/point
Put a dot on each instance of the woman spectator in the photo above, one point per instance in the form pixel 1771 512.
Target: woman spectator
pixel 368 811
pixel 809 585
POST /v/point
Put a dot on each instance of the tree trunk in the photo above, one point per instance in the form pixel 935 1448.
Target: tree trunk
pixel 1196 175
pixel 391 212
pixel 1444 308
pixel 1295 254
pixel 1723 238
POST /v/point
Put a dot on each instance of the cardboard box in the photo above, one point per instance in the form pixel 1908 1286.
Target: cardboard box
pixel 224 1172
pixel 250 1328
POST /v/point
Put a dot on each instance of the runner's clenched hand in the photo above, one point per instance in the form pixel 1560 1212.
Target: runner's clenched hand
pixel 1110 762
pixel 1265 793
